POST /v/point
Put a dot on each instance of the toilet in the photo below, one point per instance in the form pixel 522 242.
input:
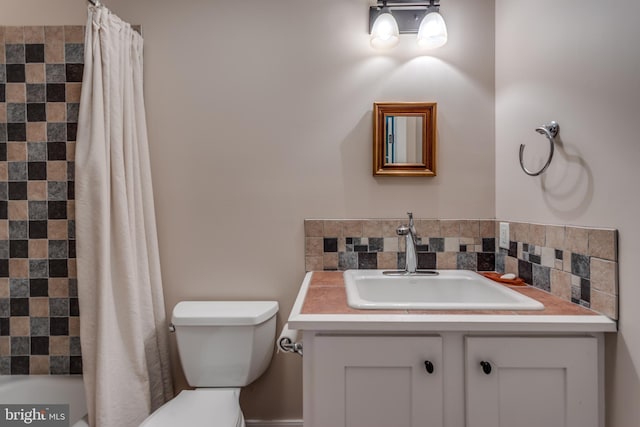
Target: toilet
pixel 223 346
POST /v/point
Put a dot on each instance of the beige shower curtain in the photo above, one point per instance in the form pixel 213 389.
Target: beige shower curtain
pixel 123 328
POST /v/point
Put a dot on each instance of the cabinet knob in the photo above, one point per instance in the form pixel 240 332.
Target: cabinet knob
pixel 486 367
pixel 428 366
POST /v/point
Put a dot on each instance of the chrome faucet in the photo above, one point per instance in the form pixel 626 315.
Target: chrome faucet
pixel 411 254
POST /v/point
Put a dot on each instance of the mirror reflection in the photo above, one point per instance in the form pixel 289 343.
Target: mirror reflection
pixel 403 139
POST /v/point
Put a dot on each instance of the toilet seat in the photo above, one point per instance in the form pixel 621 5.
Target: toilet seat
pixel 208 407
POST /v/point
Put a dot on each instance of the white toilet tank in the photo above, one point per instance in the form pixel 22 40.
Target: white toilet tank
pixel 224 343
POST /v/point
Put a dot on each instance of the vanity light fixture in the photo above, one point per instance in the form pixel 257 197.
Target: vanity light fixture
pixel 384 30
pixel 433 31
pixel 389 18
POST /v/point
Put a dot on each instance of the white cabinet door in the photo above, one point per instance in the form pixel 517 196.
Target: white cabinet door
pixel 376 381
pixel 532 382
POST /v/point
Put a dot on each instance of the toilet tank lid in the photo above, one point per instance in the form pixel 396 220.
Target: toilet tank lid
pixel 211 313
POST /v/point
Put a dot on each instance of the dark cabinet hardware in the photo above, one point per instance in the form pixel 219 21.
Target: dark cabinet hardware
pixel 428 366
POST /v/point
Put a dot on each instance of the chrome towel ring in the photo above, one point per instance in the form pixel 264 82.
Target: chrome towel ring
pixel 550 131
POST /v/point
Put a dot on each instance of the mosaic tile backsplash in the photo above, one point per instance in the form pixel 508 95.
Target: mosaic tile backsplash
pixel 577 264
pixel 341 245
pixel 40 81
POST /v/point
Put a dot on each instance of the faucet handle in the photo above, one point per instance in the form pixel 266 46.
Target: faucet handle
pixel 410 215
pixel 403 230
pixel 411 226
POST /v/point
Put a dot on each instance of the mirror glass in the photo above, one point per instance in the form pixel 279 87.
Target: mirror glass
pixel 404 138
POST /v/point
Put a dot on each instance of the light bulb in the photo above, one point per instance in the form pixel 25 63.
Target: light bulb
pixel 432 32
pixel 384 33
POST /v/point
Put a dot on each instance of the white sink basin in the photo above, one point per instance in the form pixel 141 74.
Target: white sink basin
pixel 448 290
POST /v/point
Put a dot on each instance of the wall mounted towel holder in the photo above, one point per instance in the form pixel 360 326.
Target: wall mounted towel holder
pixel 549 130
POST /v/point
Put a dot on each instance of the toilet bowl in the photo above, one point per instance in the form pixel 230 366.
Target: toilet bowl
pixel 223 346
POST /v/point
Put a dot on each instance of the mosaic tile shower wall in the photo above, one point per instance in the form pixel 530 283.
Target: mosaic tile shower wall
pixel 40 81
pixel 577 264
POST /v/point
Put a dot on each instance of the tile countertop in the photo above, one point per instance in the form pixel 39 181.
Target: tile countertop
pixel 322 305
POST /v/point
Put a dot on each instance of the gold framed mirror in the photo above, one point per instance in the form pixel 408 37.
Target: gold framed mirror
pixel 404 138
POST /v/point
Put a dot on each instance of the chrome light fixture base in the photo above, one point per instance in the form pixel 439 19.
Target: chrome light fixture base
pixel 408 13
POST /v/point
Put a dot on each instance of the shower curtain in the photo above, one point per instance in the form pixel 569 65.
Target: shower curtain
pixel 123 328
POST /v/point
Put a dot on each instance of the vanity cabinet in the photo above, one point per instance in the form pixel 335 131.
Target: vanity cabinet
pixel 410 368
pixel 532 382
pixel 368 381
pixel 452 380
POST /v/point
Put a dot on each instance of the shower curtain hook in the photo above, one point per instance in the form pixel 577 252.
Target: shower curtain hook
pixel 550 130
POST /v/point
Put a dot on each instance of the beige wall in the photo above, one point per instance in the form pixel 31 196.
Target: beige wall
pixel 577 62
pixel 259 116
